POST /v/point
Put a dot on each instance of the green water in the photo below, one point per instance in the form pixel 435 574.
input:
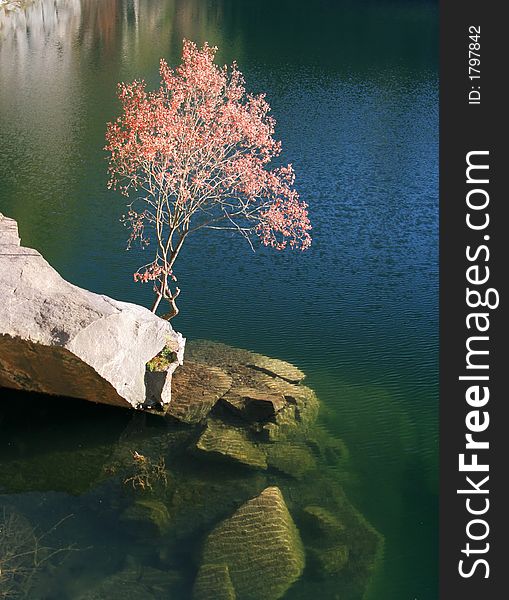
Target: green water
pixel 354 89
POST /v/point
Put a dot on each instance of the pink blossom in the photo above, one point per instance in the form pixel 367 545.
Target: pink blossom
pixel 195 153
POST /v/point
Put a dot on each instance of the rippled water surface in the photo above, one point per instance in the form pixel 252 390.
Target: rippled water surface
pixel 353 86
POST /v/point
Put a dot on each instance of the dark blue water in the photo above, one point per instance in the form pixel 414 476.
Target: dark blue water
pixel 354 89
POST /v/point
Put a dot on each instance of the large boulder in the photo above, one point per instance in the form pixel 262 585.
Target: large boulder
pixel 57 338
pixel 259 547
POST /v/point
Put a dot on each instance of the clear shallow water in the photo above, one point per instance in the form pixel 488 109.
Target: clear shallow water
pixel 353 87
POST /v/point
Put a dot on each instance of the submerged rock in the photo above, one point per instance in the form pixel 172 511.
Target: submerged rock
pixel 298 414
pixel 332 451
pixel 327 550
pixel 260 391
pixel 328 562
pixel 225 356
pixel 261 547
pixel 148 515
pixel 119 588
pixel 327 528
pixel 276 368
pixel 219 354
pixel 206 496
pixel 213 582
pixel 252 404
pixel 290 458
pixel 57 338
pixel 341 545
pixel 196 389
pixel 227 442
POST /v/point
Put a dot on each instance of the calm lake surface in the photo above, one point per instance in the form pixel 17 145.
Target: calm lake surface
pixel 354 89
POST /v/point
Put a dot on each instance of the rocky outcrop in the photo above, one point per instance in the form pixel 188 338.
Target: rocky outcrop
pixel 260 547
pixel 57 338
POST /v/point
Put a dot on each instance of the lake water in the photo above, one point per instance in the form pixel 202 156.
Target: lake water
pixel 354 89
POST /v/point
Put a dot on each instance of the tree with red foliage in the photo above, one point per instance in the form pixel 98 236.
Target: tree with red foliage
pixel 195 153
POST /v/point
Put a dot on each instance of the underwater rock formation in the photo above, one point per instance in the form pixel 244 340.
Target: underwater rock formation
pixel 214 478
pixel 226 441
pixel 196 389
pixel 148 515
pixel 132 584
pixel 57 338
pixel 254 405
pixel 290 458
pixel 214 583
pixel 260 546
pixel 260 391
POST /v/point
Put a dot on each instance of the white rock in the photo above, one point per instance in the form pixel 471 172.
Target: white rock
pixel 57 338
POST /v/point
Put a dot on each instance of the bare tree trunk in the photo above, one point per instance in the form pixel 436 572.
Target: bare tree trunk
pixel 156 303
pixel 174 308
pixel 163 293
pixel 164 289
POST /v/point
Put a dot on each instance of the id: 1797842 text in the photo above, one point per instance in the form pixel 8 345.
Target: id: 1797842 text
pixel 474 64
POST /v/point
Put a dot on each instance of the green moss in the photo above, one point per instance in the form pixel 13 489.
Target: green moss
pixel 163 360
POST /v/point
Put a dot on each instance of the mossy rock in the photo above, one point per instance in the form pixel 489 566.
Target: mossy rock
pixel 148 515
pixel 290 458
pixel 327 520
pixel 226 442
pixel 297 416
pixel 261 547
pixel 331 450
pixel 328 562
pixel 203 498
pixel 323 525
pixel 213 582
